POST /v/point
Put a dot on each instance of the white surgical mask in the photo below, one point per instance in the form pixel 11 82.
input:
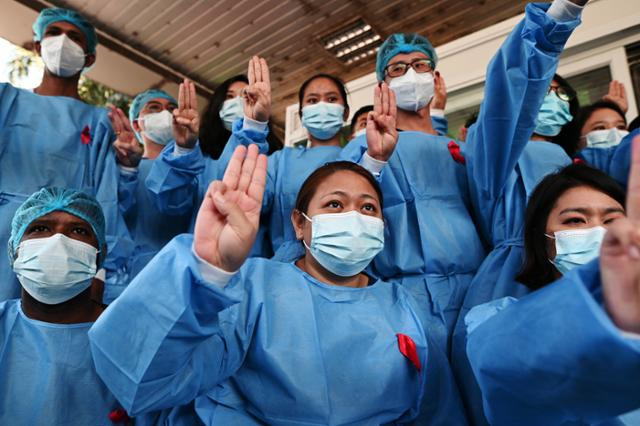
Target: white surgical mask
pixel 55 269
pixel 345 243
pixel 158 127
pixel 360 133
pixel 413 90
pixel 62 56
pixel 232 109
pixel 575 247
pixel 605 138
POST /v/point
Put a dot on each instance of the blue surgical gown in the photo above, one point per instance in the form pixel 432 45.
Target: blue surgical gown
pixel 58 141
pixel 151 229
pixel 47 373
pixel 554 357
pixel 504 168
pixel 274 346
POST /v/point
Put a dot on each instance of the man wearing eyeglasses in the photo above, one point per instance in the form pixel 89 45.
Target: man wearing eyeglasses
pixel 407 64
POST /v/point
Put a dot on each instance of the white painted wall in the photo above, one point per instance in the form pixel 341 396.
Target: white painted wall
pixel 608 25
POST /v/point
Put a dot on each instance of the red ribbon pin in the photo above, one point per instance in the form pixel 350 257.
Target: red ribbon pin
pixel 454 150
pixel 408 348
pixel 85 136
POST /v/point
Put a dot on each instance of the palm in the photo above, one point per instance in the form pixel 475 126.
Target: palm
pixel 128 150
pixel 620 256
pixel 186 123
pixel 382 135
pixel 257 95
pixel 229 217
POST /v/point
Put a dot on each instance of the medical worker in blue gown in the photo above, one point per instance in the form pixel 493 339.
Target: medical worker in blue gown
pixel 231 340
pixel 51 138
pixel 433 247
pixel 504 167
pixel 570 352
pixel 150 122
pixel 57 243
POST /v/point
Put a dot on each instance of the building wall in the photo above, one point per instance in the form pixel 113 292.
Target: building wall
pixel 608 26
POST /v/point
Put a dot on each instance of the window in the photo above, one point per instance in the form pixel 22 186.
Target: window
pixel 592 85
pixel 633 57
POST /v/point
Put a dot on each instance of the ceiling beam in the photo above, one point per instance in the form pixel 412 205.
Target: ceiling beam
pixel 110 41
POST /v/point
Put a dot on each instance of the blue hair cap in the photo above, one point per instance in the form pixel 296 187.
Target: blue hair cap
pixel 54 14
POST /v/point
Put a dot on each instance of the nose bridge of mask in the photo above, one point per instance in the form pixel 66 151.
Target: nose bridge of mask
pixel 324 112
pixel 605 138
pixel 578 240
pixel 50 251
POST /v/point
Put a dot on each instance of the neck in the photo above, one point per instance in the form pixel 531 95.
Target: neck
pixel 151 149
pixel 80 309
pixel 309 265
pixel 52 85
pixel 419 121
pixel 334 141
pixel 537 137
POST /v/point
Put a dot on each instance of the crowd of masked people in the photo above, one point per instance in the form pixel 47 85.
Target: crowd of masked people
pixel 176 267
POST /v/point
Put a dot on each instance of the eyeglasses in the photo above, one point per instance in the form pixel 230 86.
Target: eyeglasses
pixel 420 66
pixel 563 93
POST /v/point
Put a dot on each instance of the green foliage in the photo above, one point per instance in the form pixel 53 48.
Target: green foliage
pixel 98 94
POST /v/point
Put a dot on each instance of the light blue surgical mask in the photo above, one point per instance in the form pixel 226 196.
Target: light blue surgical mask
pixel 323 120
pixel 605 138
pixel 55 269
pixel 575 247
pixel 345 243
pixel 232 109
pixel 554 113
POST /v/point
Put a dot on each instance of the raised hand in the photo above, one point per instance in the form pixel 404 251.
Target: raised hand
pixel 618 95
pixel 440 92
pixel 128 149
pixel 257 95
pixel 229 216
pixel 382 135
pixel 620 256
pixel 186 119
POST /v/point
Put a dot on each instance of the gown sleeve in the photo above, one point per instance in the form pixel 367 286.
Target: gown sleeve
pixel 518 78
pixel 556 357
pixel 127 184
pixel 163 342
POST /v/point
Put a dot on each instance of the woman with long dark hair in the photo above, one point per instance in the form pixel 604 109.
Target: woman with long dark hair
pixel 568 353
pixel 225 107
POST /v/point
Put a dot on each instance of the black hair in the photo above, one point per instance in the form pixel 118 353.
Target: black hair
pixel 471 120
pixel 564 136
pixel 308 188
pixel 635 123
pixel 574 130
pixel 213 134
pixel 339 84
pixel 354 120
pixel 537 271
